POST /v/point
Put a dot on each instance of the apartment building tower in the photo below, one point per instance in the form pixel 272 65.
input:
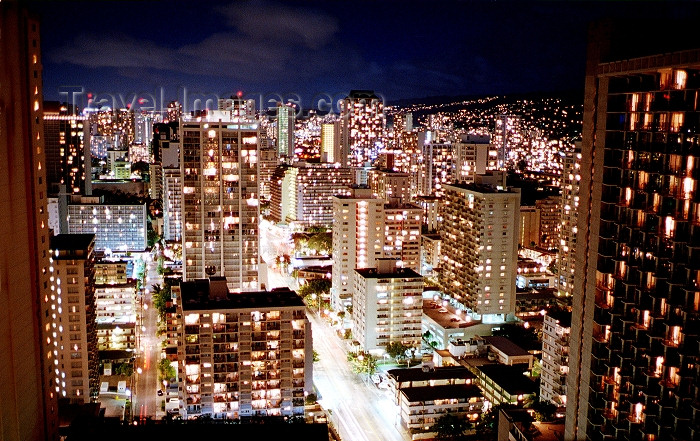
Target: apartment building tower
pixel 556 329
pixel 74 282
pixel 387 306
pixel 242 354
pixel 285 130
pixel 480 248
pixel 633 369
pixel 219 164
pixel 362 123
pixel 28 325
pixel 568 227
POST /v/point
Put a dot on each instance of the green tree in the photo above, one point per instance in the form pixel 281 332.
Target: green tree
pixel 397 350
pixel 161 296
pixel 450 426
pixel 165 370
pixel 364 363
pixel 322 243
pixel 315 356
pixel 544 410
pixel 315 286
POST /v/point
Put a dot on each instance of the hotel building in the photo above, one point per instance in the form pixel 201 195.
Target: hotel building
pixel 73 281
pixel 387 306
pixel 480 249
pixel 219 164
pixel 242 354
pixel 633 369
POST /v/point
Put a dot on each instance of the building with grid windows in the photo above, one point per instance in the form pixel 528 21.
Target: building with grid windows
pixel 285 130
pixel 117 227
pixel 633 365
pixel 362 122
pixel 387 306
pixel 219 163
pixel 74 281
pixel 556 329
pixel 480 249
pixel 304 194
pixel 568 227
pixel 242 354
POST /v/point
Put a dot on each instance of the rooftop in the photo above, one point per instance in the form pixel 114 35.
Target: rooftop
pixel 505 345
pixel 450 391
pixel 478 188
pixel 404 273
pixel 440 373
pixel 562 317
pixel 445 316
pixel 510 378
pixel 71 241
pixel 196 296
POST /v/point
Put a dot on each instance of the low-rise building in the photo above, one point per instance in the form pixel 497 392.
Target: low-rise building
pixel 116 303
pixel 116 336
pixel 507 352
pixel 441 323
pixel 421 407
pixel 505 384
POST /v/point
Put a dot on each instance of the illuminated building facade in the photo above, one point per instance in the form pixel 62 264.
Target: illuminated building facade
pixel 555 357
pixel 388 184
pixel 471 157
pixel 358 240
pixel 67 142
pixel 219 163
pixel 117 227
pixel 242 354
pixel 633 370
pixel 74 281
pixel 387 306
pixel 549 215
pixel 480 248
pixel 29 329
pixel 402 227
pixel 172 204
pixel 330 142
pixel 436 168
pixel 267 163
pixel 362 124
pixel 568 212
pixel 306 193
pixel 285 130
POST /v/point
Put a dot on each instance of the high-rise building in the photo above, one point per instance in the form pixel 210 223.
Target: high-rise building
pixel 362 124
pixel 305 193
pixel 242 354
pixel 358 240
pixel 471 157
pixel 285 130
pixel 402 228
pixel 387 306
pixel 117 227
pixel 633 369
pixel 388 184
pixel 436 168
pixel 172 204
pixel 507 137
pixel 219 160
pixel 28 392
pixel 330 142
pixel 556 328
pixel 480 248
pixel 568 212
pixel 67 141
pixel 73 280
pixel 267 163
pixel 549 215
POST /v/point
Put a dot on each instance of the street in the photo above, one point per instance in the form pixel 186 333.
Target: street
pixel 145 400
pixel 359 410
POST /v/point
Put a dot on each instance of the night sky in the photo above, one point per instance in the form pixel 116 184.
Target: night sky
pixel 401 49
